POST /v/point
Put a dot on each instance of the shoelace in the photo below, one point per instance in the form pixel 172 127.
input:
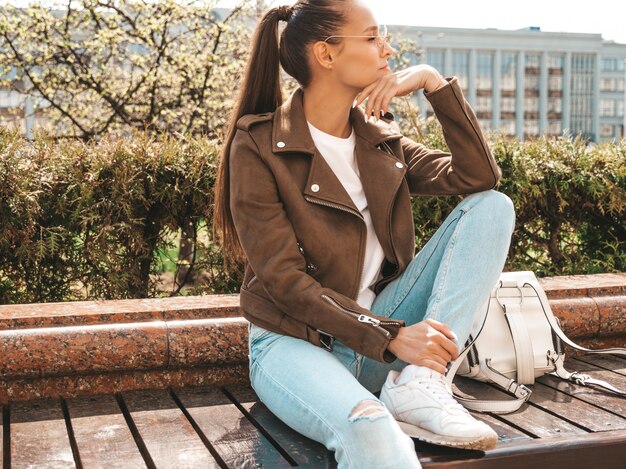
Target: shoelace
pixel 443 393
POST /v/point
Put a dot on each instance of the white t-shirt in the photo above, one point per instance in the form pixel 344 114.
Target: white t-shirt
pixel 340 155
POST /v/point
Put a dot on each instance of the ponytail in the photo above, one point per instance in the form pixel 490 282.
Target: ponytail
pixel 260 91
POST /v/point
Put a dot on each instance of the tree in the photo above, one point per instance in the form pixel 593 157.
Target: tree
pixel 101 66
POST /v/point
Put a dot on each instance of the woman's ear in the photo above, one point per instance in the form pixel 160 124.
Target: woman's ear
pixel 322 55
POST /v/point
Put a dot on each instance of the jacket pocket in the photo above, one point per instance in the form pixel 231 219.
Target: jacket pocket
pixel 310 267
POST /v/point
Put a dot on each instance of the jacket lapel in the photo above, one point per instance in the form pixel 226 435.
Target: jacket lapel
pixel 380 174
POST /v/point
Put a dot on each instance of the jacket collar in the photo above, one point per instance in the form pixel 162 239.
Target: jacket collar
pixel 291 133
pixel 381 173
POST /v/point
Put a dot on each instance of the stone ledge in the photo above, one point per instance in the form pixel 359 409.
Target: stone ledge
pixel 58 349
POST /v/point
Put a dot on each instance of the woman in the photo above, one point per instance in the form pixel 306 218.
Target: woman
pixel 316 199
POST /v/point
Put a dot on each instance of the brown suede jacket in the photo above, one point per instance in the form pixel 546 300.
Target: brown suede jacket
pixel 303 237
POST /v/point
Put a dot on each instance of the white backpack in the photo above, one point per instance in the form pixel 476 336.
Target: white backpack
pixel 517 341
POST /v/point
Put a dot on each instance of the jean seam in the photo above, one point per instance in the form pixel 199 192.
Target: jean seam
pixel 308 409
pixel 445 264
pixel 411 283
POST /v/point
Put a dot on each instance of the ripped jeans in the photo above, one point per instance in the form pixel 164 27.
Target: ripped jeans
pixel 329 396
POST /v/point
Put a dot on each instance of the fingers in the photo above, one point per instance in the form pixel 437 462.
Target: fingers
pixel 373 100
pixel 443 328
pixel 450 348
pixel 382 93
pixel 378 95
pixel 434 365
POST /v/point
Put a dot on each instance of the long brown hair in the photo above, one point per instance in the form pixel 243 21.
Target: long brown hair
pixel 307 21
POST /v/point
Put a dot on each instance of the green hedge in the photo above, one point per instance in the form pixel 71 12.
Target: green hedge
pixel 95 220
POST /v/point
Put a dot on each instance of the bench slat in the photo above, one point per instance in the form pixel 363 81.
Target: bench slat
pixel 169 437
pixel 584 414
pixel 39 435
pixel 605 449
pixel 302 449
pixel 609 362
pixel 234 437
pixel 600 398
pixel 529 418
pixel 102 435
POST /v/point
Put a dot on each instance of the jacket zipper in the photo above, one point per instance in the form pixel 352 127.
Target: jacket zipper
pixel 361 317
pixel 393 249
pixel 337 206
pixel 349 210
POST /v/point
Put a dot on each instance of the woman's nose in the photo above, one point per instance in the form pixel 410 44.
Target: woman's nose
pixel 388 50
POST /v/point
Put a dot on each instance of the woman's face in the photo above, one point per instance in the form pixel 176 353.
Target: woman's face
pixel 359 61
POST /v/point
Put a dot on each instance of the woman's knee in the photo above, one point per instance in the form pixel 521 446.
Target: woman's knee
pixel 497 206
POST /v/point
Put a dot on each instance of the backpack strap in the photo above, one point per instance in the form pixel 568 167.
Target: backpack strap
pixel 524 356
pixel 521 392
pixel 543 299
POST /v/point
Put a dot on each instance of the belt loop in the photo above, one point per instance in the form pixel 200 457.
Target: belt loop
pixel 320 338
pixel 326 340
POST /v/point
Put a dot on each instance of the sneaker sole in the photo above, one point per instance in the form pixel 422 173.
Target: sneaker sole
pixel 483 443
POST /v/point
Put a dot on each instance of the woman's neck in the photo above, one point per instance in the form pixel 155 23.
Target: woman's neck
pixel 328 110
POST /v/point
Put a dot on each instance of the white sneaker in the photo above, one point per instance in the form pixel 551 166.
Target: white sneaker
pixel 425 410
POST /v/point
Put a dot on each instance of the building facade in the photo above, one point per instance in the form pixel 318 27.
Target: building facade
pixel 529 82
pixel 523 82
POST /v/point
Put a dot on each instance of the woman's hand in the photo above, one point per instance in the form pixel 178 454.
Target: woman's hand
pixel 427 343
pixel 400 83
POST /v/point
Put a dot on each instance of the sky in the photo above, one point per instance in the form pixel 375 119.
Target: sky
pixel 606 17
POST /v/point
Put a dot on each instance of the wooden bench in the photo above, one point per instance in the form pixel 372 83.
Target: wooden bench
pixel 164 383
pixel 563 425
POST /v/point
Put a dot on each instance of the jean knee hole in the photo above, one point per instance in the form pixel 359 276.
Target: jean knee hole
pixel 367 410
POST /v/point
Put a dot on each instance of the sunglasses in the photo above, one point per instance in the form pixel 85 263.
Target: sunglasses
pixel 382 38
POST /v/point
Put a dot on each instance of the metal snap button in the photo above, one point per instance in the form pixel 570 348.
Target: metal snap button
pixel 315 188
pixel 399 165
pixel 280 144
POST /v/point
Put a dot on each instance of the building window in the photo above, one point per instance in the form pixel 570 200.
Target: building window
pixel 619 111
pixel 582 94
pixel 608 84
pixel 531 128
pixel 620 84
pixel 460 67
pixel 484 72
pixel 483 103
pixel 606 130
pixel 508 72
pixel 507 104
pixel 609 65
pixel 607 107
pixel 554 127
pixel 555 63
pixel 436 58
pixel 508 127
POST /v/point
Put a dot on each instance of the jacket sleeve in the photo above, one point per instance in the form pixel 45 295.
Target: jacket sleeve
pixel 269 244
pixel 469 166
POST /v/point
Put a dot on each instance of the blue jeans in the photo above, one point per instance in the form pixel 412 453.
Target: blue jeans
pixel 315 392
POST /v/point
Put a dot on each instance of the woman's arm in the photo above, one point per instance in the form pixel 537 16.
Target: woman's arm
pixel 468 167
